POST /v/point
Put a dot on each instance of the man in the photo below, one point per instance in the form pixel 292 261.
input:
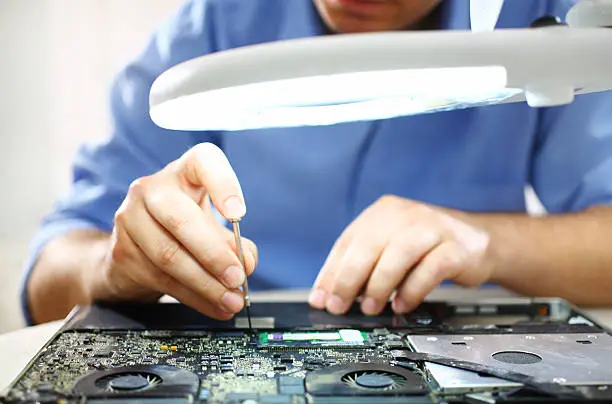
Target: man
pixel 396 206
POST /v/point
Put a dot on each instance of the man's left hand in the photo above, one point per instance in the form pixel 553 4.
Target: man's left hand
pixel 404 246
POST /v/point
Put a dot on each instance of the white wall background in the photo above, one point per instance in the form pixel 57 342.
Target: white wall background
pixel 57 59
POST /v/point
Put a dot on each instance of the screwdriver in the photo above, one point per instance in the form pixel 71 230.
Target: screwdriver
pixel 245 285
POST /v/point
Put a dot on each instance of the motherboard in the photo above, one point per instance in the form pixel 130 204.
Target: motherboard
pixel 418 360
pixel 218 367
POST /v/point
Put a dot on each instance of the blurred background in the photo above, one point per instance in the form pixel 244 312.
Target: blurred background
pixel 58 59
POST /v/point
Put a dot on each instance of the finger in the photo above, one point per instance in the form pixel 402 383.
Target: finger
pixel 168 255
pixel 196 231
pixel 206 165
pixel 147 282
pixel 401 254
pixel 443 262
pixel 318 295
pixel 191 298
pixel 155 279
pixel 354 269
pixel 251 255
pixel 121 278
pixel 369 219
pixel 249 249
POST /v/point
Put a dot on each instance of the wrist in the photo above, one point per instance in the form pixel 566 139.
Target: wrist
pixel 60 278
pixel 506 233
pixel 493 261
pixel 79 256
pixel 94 276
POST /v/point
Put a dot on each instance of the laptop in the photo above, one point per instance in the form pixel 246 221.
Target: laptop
pixel 513 350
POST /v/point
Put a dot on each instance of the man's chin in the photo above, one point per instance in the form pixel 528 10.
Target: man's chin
pixel 350 25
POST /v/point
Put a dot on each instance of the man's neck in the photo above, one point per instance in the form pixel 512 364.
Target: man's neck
pixel 431 21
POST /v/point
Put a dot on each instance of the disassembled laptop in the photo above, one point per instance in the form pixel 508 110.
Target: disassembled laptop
pixel 510 351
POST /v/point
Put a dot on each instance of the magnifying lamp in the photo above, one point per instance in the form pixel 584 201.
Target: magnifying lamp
pixel 340 78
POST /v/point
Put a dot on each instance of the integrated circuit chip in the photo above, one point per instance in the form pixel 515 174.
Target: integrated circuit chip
pixel 314 339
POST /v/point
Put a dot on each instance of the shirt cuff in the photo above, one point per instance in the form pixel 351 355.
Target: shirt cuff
pixel 47 233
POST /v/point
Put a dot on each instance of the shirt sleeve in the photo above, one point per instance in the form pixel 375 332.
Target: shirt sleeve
pixel 102 172
pixel 572 164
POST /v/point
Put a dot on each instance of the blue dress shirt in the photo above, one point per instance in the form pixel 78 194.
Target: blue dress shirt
pixel 303 186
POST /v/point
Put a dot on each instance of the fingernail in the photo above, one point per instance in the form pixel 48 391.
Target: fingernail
pixel 232 302
pixel 234 208
pixel 369 306
pixel 336 305
pixel 317 298
pixel 399 306
pixel 233 277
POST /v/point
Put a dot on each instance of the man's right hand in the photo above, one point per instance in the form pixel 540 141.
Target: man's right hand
pixel 166 240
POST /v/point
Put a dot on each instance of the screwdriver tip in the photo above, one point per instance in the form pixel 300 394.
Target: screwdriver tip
pixel 249 319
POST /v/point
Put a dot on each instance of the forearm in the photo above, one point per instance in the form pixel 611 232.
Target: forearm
pixel 58 281
pixel 568 256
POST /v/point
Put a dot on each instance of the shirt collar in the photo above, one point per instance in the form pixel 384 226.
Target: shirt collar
pixel 455 15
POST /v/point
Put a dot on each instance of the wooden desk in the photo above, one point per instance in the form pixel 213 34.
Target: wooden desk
pixel 20 346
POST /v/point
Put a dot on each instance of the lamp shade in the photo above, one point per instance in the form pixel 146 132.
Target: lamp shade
pixel 340 78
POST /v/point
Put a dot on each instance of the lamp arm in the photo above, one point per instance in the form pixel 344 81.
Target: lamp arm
pixel 590 14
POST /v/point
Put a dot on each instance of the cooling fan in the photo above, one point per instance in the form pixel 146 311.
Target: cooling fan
pixel 369 379
pixel 138 380
pixel 132 382
pixel 374 380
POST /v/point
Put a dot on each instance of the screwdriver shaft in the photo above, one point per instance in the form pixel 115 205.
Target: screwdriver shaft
pixel 245 285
